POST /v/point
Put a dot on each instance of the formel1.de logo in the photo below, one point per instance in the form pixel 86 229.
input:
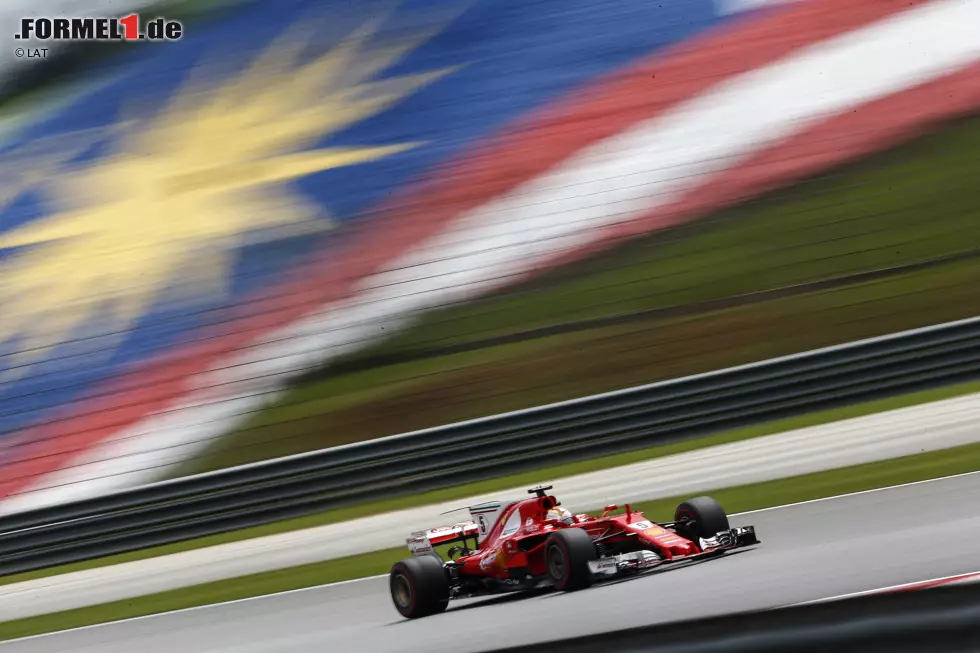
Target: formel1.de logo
pixel 127 28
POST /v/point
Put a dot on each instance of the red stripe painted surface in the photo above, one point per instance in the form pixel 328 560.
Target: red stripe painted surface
pixel 521 153
pixel 906 587
pixel 952 580
pixel 922 585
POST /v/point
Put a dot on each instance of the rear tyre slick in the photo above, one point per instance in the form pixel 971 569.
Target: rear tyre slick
pixel 419 587
pixel 708 517
pixel 567 555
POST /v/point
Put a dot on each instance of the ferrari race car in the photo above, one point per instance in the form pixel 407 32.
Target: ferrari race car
pixel 532 543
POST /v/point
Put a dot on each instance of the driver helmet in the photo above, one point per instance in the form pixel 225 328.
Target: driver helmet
pixel 561 515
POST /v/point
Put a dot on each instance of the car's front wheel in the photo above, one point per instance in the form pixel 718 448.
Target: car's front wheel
pixel 567 554
pixel 419 587
pixel 704 517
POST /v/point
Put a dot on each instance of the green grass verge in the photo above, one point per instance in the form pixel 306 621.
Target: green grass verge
pixel 914 204
pixel 517 480
pixel 739 499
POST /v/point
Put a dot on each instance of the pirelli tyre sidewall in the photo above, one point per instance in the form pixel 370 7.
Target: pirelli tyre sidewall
pixel 419 586
pixel 567 556
pixel 708 515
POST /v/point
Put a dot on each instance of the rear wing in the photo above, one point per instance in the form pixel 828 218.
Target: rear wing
pixel 423 543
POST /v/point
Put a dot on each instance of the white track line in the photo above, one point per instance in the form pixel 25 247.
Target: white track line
pixel 197 608
pixel 854 494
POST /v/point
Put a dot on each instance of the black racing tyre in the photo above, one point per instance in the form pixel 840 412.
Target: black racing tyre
pixel 708 515
pixel 567 555
pixel 419 586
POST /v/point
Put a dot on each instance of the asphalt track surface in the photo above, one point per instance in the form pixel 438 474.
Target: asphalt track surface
pixel 810 551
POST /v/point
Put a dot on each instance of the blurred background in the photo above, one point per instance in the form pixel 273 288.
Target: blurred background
pixel 308 224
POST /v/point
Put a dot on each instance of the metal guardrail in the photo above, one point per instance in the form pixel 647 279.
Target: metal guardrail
pixel 630 419
pixel 935 620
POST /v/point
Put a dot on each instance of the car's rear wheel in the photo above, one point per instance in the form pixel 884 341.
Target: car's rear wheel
pixel 567 555
pixel 419 587
pixel 706 518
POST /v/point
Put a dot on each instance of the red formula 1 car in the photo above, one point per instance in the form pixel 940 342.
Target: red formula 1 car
pixel 534 542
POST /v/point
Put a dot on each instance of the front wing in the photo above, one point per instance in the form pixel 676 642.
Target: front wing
pixel 733 538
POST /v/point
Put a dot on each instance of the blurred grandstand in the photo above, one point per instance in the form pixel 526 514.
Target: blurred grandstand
pixel 310 223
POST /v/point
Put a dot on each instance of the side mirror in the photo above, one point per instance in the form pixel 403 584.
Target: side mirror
pixel 608 509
